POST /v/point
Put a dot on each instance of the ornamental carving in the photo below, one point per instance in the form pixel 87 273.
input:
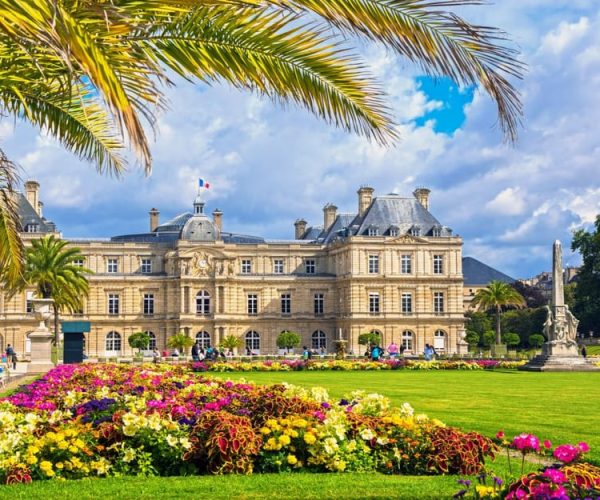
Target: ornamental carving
pixel 202 264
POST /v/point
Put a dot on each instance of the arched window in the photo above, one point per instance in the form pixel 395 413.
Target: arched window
pixel 152 343
pixel 319 340
pixel 203 339
pixel 439 340
pixel 407 340
pixel 203 302
pixel 113 343
pixel 253 342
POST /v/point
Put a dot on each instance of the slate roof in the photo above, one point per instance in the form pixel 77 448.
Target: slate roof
pixel 476 272
pixel 387 213
pixel 27 216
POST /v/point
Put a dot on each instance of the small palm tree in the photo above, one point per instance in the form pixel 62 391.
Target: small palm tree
pixel 181 342
pixel 52 269
pixel 496 296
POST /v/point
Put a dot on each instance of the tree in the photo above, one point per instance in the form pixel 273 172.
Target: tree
pixel 496 296
pixel 369 338
pixel 139 340
pixel 536 340
pixel 587 306
pixel 532 294
pixel 231 342
pixel 90 73
pixel 472 338
pixel 288 340
pixel 511 339
pixel 477 322
pixel 488 338
pixel 524 322
pixel 53 270
pixel 181 342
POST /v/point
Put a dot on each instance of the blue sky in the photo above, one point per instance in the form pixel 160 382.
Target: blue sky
pixel 269 166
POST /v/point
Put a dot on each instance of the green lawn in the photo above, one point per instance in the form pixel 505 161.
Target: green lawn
pixel 562 407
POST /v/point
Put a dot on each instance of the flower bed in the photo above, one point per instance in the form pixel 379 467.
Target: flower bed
pixel 101 420
pixel 350 365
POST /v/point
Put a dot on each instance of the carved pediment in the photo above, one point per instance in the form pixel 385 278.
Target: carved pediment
pixel 408 239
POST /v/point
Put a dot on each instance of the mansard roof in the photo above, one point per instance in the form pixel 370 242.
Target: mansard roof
pixel 476 272
pixel 28 216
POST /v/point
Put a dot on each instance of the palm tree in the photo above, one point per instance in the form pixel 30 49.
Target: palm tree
pixel 90 73
pixel 53 270
pixel 496 296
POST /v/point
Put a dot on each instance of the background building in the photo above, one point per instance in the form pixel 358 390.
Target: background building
pixel 391 267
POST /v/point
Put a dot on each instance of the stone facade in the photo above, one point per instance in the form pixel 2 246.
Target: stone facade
pixel 356 273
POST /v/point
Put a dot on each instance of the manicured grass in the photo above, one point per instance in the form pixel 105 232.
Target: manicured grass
pixel 562 407
pixel 593 350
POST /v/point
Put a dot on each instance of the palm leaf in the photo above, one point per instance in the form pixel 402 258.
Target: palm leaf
pixel 11 246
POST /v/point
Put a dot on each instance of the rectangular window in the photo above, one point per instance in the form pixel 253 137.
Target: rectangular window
pixel 374 303
pixel 286 303
pixel 78 262
pixel 112 266
pixel 373 264
pixel 33 228
pixel 113 303
pixel 146 266
pixel 438 264
pixel 277 266
pixel 319 304
pixel 310 266
pixel 406 264
pixel 406 303
pixel 438 302
pixel 29 303
pixel 252 303
pixel 148 304
pixel 246 266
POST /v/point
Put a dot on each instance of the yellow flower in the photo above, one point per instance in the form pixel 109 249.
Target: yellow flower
pixel 73 449
pixel 284 440
pixel 33 450
pixel 32 460
pixel 292 460
pixel 485 491
pixel 265 430
pixel 45 465
pixel 59 465
pixel 309 438
pixel 79 443
pixel 63 445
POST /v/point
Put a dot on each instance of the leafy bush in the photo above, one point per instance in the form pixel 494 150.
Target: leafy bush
pixel 536 340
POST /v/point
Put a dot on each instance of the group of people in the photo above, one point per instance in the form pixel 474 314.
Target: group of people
pixel 11 356
pixel 310 353
pixel 210 353
pixel 376 352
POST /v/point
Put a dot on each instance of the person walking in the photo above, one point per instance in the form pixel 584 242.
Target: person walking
pixel 195 352
pixel 156 356
pixel 584 352
pixel 393 350
pixel 428 352
pixel 11 356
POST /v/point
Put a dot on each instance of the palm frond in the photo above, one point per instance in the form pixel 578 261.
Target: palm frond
pixel 11 246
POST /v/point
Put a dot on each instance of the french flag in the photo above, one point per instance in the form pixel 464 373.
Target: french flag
pixel 203 184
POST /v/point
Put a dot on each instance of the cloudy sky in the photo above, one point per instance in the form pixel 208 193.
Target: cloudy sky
pixel 269 166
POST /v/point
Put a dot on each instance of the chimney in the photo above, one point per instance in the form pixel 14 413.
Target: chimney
pixel 300 226
pixel 153 218
pixel 218 221
pixel 32 193
pixel 40 209
pixel 329 214
pixel 365 196
pixel 422 195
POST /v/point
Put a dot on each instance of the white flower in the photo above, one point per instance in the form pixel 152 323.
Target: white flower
pixel 172 440
pixel 367 434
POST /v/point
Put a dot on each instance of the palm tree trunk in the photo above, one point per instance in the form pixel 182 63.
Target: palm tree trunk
pixel 498 332
pixel 56 334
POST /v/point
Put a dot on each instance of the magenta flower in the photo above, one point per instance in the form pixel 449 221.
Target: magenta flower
pixel 555 476
pixel 566 453
pixel 584 447
pixel 526 443
pixel 547 444
pixel 500 434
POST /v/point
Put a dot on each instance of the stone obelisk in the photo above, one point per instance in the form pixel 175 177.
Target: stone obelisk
pixel 559 352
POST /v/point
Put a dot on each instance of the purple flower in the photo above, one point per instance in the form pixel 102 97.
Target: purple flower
pixel 555 476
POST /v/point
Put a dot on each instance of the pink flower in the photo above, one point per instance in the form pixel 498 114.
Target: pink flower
pixel 584 447
pixel 526 443
pixel 547 444
pixel 566 453
pixel 555 476
pixel 500 434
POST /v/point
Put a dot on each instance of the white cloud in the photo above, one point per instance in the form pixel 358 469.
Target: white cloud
pixel 566 34
pixel 508 202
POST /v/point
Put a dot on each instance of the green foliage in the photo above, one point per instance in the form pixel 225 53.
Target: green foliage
pixel 478 322
pixel 369 338
pixel 488 338
pixel 536 340
pixel 231 342
pixel 495 296
pixel 139 340
pixel 524 322
pixel 180 341
pixel 472 338
pixel 587 306
pixel 288 340
pixel 511 339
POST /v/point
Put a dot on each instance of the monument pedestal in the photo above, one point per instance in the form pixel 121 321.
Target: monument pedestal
pixel 41 351
pixel 550 363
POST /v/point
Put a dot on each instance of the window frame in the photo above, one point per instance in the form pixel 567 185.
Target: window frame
pixel 252 304
pixel 310 266
pixel 438 264
pixel 114 304
pixel 246 266
pixel 146 266
pixel 373 263
pixel 318 340
pixel 319 304
pixel 374 303
pixel 278 266
pixel 112 265
pixel 406 303
pixel 203 303
pixel 286 303
pixel 148 304
pixel 438 302
pixel 406 263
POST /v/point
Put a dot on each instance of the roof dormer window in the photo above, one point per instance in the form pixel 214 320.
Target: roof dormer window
pixel 373 231
pixel 415 231
pixel 437 232
pixel 32 228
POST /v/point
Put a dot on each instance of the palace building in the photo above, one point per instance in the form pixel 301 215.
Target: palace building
pixel 390 267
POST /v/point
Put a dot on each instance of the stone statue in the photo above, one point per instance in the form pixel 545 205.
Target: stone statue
pixel 572 323
pixel 548 323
